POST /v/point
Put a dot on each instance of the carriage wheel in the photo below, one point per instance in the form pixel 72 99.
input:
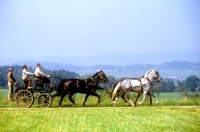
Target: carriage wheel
pixel 24 98
pixel 44 100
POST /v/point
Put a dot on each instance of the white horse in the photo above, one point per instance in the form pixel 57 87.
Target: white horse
pixel 139 85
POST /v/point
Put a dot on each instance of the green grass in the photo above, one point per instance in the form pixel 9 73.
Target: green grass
pixel 101 119
pixel 165 99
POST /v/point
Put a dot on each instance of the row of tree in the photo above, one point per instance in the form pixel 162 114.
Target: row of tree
pixel 191 83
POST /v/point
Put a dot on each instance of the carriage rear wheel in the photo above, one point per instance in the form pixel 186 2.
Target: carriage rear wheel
pixel 44 100
pixel 24 98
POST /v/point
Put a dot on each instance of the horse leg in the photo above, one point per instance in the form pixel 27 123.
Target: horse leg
pixel 86 97
pixel 150 98
pixel 70 98
pixel 114 101
pixel 151 94
pixel 99 100
pixel 128 97
pixel 114 93
pixel 155 99
pixel 123 97
pixel 114 96
pixel 61 99
pixel 138 95
pixel 144 96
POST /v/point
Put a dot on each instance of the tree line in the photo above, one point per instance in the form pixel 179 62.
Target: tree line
pixel 191 83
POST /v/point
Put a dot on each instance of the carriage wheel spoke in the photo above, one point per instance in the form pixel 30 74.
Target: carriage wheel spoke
pixel 44 100
pixel 24 98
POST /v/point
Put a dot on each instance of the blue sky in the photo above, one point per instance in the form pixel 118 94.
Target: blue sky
pixel 71 28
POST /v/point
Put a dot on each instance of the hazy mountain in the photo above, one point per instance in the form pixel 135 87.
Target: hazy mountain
pixel 111 59
pixel 129 59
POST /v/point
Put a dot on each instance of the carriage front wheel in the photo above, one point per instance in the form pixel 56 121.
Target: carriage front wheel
pixel 44 100
pixel 24 98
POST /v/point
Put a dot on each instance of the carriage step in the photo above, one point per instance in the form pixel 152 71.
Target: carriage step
pixel 40 90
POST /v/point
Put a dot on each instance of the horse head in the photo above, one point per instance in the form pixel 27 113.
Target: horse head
pixel 153 75
pixel 100 77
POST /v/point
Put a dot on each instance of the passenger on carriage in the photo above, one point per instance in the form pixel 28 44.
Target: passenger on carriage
pixel 40 76
pixel 25 77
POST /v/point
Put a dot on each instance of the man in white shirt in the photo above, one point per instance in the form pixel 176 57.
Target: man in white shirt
pixel 25 77
pixel 39 75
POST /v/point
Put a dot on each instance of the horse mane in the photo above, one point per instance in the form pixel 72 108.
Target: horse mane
pixel 96 74
pixel 148 72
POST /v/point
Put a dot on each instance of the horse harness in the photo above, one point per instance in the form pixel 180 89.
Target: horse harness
pixel 88 84
pixel 93 79
pixel 141 85
pixel 149 82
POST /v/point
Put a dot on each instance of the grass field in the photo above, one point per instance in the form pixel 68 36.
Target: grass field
pixel 175 113
pixel 101 119
pixel 165 99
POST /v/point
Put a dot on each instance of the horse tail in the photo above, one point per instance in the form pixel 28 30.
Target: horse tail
pixel 114 87
pixel 110 92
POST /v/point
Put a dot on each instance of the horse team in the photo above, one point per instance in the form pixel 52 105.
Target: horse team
pixel 121 88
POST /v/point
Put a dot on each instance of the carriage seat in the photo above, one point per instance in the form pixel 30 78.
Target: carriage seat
pixel 39 84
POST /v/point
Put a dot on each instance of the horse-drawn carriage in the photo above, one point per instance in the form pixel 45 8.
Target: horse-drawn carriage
pixel 69 87
pixel 25 97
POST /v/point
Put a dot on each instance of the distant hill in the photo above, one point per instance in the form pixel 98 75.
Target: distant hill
pixel 111 59
pixel 129 59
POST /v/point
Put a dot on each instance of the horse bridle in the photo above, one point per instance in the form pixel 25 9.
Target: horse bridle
pixel 153 77
pixel 102 77
pixel 151 83
pixel 94 79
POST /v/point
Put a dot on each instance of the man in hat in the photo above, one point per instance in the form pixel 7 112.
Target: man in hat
pixel 11 81
pixel 25 77
pixel 39 75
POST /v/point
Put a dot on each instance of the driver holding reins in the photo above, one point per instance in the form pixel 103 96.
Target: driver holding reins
pixel 40 76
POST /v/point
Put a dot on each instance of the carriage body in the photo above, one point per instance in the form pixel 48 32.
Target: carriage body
pixel 25 97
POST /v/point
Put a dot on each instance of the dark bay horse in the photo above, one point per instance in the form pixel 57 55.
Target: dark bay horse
pixel 85 86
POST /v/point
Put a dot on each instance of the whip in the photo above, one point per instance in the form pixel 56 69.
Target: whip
pixel 54 69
